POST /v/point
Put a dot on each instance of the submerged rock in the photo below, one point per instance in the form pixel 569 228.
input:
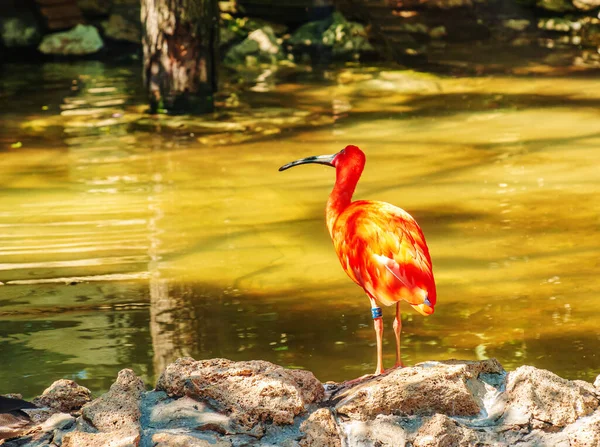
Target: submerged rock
pixel 260 46
pixel 231 404
pixel 345 39
pixel 79 41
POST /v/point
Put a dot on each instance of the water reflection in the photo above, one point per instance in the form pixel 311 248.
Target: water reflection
pixel 128 241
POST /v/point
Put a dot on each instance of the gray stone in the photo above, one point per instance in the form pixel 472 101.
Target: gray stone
pixel 79 41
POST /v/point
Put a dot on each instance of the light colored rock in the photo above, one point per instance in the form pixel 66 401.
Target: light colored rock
pixel 179 440
pixel 119 407
pixel 320 430
pixel 516 24
pixel 64 396
pixel 118 27
pixel 441 431
pixel 425 389
pixel 383 431
pixel 555 5
pixel 233 404
pixel 585 432
pixel 79 41
pixel 597 382
pixel 586 5
pixel 260 44
pixel 251 393
pixel 536 395
pixel 111 439
pixel 186 412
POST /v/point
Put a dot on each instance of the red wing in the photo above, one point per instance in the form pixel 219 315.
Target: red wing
pixel 382 248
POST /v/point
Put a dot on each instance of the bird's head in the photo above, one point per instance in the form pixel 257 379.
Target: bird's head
pixel 349 158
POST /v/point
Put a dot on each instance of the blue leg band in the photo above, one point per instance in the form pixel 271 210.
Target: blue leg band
pixel 376 312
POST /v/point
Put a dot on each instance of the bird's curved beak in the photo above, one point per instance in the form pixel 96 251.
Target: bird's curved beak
pixel 320 159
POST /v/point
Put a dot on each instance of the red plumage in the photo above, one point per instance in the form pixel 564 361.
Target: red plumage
pixel 380 246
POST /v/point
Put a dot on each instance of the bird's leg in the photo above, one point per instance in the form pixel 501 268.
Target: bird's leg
pixel 397 329
pixel 378 323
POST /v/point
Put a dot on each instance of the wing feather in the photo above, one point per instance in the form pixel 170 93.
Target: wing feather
pixel 382 249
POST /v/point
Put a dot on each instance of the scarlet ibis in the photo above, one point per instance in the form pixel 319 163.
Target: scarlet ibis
pixel 380 246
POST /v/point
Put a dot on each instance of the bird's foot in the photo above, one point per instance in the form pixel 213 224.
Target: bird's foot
pixel 399 365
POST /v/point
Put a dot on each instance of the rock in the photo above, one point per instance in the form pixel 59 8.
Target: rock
pixel 555 5
pixel 439 32
pixel 118 27
pixel 251 393
pixel 184 412
pixel 597 382
pixel 541 397
pixel 586 5
pixel 19 31
pixel 585 432
pixel 221 403
pixel 344 38
pixel 94 8
pixel 260 44
pixel 81 40
pixel 558 24
pixel 320 430
pixel 590 33
pixel 64 396
pixel 441 431
pixel 119 407
pixel 111 439
pixel 426 389
pixel 179 440
pixel 115 416
pixel 449 4
pixel 383 431
pixel 516 24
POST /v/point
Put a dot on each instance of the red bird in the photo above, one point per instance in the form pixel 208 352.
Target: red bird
pixel 380 246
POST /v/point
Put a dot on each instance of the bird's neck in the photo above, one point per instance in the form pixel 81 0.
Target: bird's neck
pixel 341 196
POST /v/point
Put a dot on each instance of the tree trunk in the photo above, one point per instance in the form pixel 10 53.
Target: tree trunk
pixel 180 54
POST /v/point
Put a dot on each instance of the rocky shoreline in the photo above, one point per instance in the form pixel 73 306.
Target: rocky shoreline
pixel 223 403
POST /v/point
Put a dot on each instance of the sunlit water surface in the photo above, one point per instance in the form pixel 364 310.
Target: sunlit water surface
pixel 128 241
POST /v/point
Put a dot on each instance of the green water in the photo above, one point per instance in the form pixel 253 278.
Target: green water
pixel 128 241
